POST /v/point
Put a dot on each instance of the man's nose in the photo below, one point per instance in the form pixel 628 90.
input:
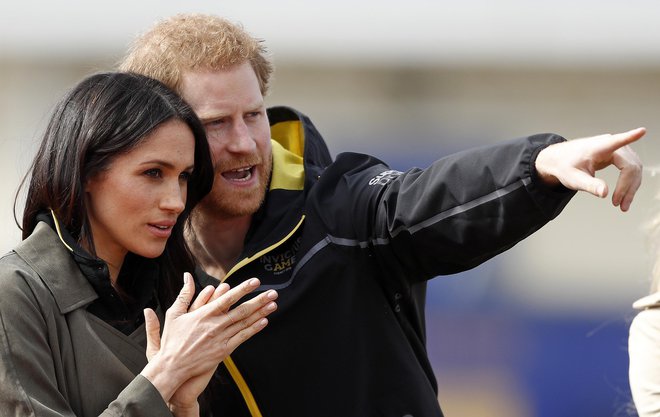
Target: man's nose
pixel 241 139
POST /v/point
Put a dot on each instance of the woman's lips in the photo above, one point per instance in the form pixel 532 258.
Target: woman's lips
pixel 161 230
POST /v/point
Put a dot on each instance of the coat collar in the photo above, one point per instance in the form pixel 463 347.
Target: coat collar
pixel 51 260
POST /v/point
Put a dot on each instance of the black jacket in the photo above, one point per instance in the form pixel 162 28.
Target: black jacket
pixel 349 245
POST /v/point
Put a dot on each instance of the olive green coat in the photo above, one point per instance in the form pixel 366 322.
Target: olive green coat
pixel 56 359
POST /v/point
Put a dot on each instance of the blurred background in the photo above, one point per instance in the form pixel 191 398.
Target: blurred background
pixel 540 331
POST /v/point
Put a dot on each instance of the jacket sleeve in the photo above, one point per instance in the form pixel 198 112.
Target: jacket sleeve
pixel 455 214
pixel 30 382
pixel 644 370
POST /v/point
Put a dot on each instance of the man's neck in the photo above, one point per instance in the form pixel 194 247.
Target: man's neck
pixel 217 241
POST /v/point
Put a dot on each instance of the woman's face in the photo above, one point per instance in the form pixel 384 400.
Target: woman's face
pixel 133 205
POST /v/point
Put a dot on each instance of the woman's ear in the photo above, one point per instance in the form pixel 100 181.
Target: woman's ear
pixel 89 182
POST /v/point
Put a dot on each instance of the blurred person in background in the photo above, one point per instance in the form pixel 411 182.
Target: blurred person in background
pixel 644 339
pixel 349 243
pixel 121 165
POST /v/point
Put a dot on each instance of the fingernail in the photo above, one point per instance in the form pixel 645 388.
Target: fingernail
pixel 271 306
pixel 272 294
pixel 253 282
pixel 185 277
pixel 263 322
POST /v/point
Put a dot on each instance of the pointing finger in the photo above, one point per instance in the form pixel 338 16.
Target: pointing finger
pixel 619 140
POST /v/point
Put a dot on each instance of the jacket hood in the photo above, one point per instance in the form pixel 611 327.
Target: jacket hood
pixel 296 133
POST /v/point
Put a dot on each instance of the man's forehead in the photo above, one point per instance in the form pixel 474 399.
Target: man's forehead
pixel 211 90
pixel 215 107
pixel 193 81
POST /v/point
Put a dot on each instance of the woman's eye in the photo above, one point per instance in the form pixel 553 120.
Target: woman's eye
pixel 154 173
pixel 185 176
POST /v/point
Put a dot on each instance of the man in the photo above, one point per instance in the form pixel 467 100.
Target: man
pixel 348 243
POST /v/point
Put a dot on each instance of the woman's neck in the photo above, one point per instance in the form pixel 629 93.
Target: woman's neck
pixel 114 259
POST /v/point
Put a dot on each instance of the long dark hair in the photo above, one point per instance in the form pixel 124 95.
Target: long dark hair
pixel 104 116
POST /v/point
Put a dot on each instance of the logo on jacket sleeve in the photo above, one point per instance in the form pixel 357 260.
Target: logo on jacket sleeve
pixel 384 177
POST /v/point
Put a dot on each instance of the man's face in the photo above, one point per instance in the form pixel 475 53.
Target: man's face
pixel 231 107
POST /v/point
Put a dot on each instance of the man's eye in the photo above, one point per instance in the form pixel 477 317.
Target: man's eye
pixel 215 123
pixel 185 176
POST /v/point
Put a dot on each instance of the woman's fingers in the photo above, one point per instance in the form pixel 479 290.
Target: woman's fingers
pixel 208 294
pixel 152 328
pixel 202 298
pixel 245 333
pixel 249 326
pixel 182 302
pixel 220 290
pixel 244 314
pixel 244 321
pixel 229 298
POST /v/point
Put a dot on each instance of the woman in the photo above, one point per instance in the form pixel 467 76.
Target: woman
pixel 644 353
pixel 644 338
pixel 644 341
pixel 122 163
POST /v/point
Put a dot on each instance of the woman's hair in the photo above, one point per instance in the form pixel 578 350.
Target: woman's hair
pixel 104 116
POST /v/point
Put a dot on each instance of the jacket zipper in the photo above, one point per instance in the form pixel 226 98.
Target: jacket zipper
pixel 250 402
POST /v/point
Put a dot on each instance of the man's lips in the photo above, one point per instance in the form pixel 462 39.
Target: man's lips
pixel 239 175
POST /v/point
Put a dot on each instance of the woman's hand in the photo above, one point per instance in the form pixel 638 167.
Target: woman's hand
pixel 184 400
pixel 197 338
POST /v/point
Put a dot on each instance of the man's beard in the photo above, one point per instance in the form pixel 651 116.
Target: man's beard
pixel 230 201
